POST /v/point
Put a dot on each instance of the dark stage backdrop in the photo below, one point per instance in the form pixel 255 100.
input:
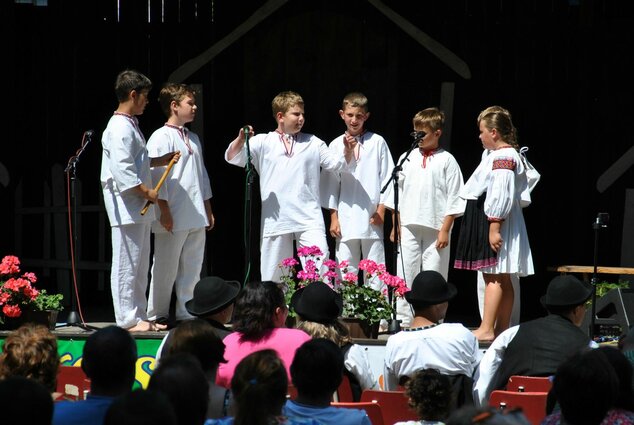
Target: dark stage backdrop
pixel 561 67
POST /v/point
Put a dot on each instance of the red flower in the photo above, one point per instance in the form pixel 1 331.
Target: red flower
pixel 11 310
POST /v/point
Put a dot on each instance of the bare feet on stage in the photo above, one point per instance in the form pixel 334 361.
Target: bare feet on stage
pixel 145 326
pixel 483 335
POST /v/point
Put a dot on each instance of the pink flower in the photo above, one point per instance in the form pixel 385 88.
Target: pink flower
pixel 369 266
pixel 10 265
pixel 11 310
pixel 344 264
pixel 350 277
pixel 331 264
pixel 309 251
pixel 289 262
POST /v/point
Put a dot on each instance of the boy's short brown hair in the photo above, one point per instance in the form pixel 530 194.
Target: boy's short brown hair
pixel 355 100
pixel 285 101
pixel 173 92
pixel 433 118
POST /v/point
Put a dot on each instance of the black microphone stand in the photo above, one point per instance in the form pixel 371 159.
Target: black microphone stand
pixel 601 222
pixel 395 324
pixel 248 208
pixel 74 318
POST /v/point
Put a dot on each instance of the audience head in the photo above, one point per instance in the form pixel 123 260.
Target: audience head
pixel 110 356
pixel 430 295
pixel 259 387
pixel 317 368
pixel 183 381
pixel 197 337
pixel 25 401
pixel 141 407
pixel 624 374
pixel 260 308
pixel 429 393
pixel 586 387
pixel 213 296
pixel 566 296
pixel 31 352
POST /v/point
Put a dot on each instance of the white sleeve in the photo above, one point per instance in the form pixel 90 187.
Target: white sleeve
pixel 357 362
pixel 489 365
pixel 455 204
pixel 330 187
pixel 387 165
pixel 501 190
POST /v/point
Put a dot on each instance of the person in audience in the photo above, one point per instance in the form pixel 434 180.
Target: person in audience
pixel 316 371
pixel 537 347
pixel 624 373
pixel 213 302
pixel 259 387
pixel 109 361
pixel 199 338
pixel 141 407
pixel 318 308
pixel 429 393
pixel 626 345
pixel 182 380
pixel 259 323
pixel 31 351
pixel 450 348
pixel 586 387
pixel 25 401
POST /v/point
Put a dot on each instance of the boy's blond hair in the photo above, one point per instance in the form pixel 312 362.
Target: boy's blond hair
pixel 285 101
pixel 355 100
pixel 173 92
pixel 433 118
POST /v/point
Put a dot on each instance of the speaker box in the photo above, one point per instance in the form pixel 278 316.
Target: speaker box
pixel 614 313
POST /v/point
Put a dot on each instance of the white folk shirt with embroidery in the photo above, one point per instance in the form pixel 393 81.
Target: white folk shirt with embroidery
pixel 450 348
pixel 289 185
pixel 356 195
pixel 427 195
pixel 125 164
pixel 187 186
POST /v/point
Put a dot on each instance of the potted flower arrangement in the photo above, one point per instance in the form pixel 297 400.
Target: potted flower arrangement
pixel 360 302
pixel 20 301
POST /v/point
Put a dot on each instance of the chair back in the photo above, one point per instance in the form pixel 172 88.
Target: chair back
pixel 533 404
pixel 373 410
pixel 531 384
pixel 394 405
pixel 344 392
pixel 72 383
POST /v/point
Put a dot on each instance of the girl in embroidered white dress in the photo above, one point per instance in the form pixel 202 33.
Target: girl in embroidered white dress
pixel 493 236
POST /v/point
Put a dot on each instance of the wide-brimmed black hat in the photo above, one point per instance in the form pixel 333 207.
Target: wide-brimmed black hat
pixel 429 288
pixel 317 302
pixel 212 294
pixel 566 290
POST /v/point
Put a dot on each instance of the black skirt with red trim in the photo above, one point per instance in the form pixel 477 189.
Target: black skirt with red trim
pixel 473 251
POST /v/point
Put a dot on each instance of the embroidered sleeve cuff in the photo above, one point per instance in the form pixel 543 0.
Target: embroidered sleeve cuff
pixel 495 219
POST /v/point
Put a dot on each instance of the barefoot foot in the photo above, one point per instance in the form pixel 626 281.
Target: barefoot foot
pixel 484 335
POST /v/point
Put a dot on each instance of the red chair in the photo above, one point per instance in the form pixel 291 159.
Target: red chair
pixel 373 410
pixel 72 383
pixel 530 384
pixel 533 404
pixel 291 392
pixel 394 405
pixel 344 392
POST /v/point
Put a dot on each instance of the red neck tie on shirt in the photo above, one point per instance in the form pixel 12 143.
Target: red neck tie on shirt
pixel 426 154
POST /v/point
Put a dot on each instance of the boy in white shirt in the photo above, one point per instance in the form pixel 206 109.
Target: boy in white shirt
pixel 354 199
pixel 288 163
pixel 183 209
pixel 429 183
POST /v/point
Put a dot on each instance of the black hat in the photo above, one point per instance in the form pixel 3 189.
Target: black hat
pixel 429 288
pixel 566 290
pixel 317 302
pixel 211 295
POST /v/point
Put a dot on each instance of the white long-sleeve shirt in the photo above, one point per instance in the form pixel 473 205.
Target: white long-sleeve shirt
pixel 289 182
pixel 357 195
pixel 187 186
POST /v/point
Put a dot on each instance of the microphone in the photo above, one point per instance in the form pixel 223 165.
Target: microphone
pixel 418 135
pixel 89 133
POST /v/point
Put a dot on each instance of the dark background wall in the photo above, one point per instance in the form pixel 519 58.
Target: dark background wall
pixel 563 69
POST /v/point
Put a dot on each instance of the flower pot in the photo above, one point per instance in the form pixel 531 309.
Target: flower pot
pixel 360 328
pixel 47 318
